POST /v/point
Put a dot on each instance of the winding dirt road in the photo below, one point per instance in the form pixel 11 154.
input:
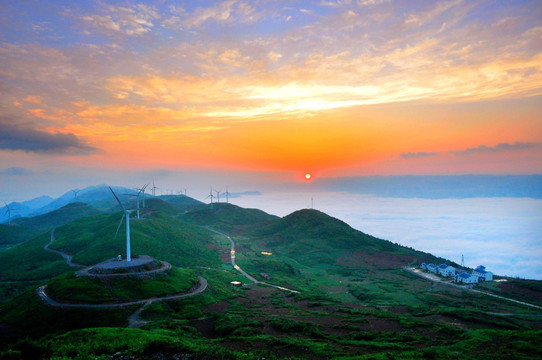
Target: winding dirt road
pixel 133 320
pixel 248 276
pixel 67 257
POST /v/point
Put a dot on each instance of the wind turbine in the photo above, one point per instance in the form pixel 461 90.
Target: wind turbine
pixel 217 195
pixel 139 192
pixel 153 189
pixel 184 191
pixel 142 191
pixel 210 196
pixel 75 192
pixel 127 215
pixel 8 212
pixel 227 195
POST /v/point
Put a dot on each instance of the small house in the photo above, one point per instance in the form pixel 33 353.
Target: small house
pixel 432 268
pixel 482 274
pixel 446 270
pixel 423 266
pixel 466 278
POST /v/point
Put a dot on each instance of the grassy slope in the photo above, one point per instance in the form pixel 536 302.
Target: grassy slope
pixel 228 217
pixel 315 252
pixel 91 240
pixel 14 234
pixel 64 215
pixel 182 202
pixel 29 261
pixel 24 229
pixel 120 289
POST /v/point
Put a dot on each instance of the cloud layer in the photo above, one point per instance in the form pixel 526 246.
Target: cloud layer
pixel 13 137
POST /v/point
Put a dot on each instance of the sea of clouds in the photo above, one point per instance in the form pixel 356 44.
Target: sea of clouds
pixel 503 234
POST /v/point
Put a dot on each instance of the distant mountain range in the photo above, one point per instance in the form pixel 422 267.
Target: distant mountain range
pixel 409 186
pixel 98 196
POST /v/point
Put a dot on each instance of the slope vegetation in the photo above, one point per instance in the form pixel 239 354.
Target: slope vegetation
pixel 228 217
pixel 92 240
pixel 26 228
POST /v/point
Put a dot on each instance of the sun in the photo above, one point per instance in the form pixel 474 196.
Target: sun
pixel 308 176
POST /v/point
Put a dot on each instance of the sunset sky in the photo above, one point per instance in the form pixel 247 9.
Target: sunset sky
pixel 266 90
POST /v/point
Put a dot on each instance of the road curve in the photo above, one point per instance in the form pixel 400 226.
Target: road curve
pixel 85 272
pixel 236 267
pixel 67 257
pixel 45 298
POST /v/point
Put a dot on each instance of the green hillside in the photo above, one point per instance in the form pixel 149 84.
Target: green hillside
pixel 53 219
pixel 91 240
pixel 311 236
pixel 14 234
pixel 26 228
pixel 182 202
pixel 29 261
pixel 314 252
pixel 228 217
pixel 110 290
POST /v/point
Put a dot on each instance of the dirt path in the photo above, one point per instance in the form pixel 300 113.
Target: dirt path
pixel 248 276
pixel 436 279
pixel 67 257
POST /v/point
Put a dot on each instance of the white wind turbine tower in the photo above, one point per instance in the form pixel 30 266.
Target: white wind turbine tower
pixel 227 195
pixel 127 215
pixel 217 195
pixel 210 196
pixel 139 192
pixel 8 212
pixel 153 189
pixel 142 191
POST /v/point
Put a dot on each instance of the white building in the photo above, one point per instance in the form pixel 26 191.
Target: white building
pixel 481 273
pixel 432 268
pixel 423 266
pixel 466 278
pixel 446 270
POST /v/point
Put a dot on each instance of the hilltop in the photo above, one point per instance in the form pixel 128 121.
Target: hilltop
pixel 228 217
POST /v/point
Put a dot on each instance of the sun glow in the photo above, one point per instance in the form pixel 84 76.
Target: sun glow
pixel 308 176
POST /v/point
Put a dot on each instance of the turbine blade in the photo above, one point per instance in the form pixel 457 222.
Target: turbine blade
pixel 120 223
pixel 116 197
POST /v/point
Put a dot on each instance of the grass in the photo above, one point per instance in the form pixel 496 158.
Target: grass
pixel 32 318
pixel 29 261
pixel 91 240
pixel 119 289
pixel 97 342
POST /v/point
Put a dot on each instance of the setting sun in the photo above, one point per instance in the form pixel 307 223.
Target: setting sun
pixel 308 176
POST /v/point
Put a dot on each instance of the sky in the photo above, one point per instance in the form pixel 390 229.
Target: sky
pixel 261 92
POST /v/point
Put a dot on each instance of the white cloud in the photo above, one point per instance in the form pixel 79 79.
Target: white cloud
pixel 130 21
pixel 220 13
